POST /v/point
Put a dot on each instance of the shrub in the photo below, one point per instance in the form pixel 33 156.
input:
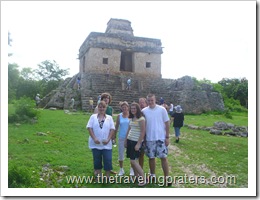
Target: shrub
pixel 24 110
pixel 19 177
pixel 227 114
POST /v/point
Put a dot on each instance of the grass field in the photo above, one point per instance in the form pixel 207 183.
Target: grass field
pixel 199 160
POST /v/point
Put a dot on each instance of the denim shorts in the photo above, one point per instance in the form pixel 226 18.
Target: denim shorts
pixel 105 156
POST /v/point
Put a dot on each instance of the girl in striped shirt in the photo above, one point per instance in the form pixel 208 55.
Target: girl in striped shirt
pixel 135 137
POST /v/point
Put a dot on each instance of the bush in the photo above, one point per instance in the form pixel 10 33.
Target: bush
pixel 234 105
pixel 24 110
pixel 227 114
pixel 19 177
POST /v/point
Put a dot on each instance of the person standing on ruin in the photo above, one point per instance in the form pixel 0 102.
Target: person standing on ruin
pixel 107 73
pixel 72 102
pixel 157 135
pixel 91 104
pixel 129 82
pixel 37 100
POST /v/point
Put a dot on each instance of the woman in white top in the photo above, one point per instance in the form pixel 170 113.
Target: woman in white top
pixel 101 129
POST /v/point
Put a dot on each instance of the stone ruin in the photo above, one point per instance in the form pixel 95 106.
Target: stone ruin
pixel 194 98
pixel 223 128
pixel 124 56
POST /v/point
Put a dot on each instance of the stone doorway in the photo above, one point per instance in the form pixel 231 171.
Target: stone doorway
pixel 126 62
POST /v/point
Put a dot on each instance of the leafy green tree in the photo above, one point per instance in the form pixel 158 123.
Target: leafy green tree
pixel 27 73
pixel 13 81
pixel 236 89
pixel 50 70
pixel 28 88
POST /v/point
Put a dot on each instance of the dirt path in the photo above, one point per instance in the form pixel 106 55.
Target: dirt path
pixel 189 171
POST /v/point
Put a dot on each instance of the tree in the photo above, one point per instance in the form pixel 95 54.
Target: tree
pixel 50 70
pixel 27 73
pixel 13 81
pixel 236 89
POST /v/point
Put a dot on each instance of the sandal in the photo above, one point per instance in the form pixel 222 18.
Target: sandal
pixel 143 183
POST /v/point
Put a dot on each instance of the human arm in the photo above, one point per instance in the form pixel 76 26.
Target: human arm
pixel 142 135
pixel 111 133
pixel 96 110
pixel 92 135
pixel 117 126
pixel 167 136
pixel 125 143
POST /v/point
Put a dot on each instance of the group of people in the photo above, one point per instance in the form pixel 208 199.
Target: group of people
pixel 141 128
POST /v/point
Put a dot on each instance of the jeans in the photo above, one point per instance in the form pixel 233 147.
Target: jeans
pixel 105 155
pixel 177 131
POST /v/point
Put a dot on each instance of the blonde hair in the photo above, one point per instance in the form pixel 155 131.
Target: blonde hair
pixel 102 103
pixel 124 103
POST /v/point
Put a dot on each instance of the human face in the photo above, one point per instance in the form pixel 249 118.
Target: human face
pixel 101 109
pixel 151 101
pixel 133 110
pixel 124 108
pixel 106 99
pixel 142 103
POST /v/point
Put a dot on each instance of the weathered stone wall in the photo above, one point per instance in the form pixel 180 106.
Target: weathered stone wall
pixel 94 60
pixel 119 26
pixel 195 98
pixel 139 64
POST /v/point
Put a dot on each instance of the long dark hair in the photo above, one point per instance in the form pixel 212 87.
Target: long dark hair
pixel 138 111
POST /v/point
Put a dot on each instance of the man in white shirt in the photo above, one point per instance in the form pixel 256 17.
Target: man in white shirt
pixel 157 135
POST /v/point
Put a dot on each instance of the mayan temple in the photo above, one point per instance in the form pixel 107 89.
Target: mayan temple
pixel 107 60
pixel 120 51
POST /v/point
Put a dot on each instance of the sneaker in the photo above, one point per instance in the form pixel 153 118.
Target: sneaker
pixel 121 172
pixel 132 173
pixel 152 178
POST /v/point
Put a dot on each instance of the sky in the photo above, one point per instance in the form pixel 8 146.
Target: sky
pixel 206 40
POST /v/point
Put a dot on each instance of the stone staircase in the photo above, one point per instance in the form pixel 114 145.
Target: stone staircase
pixel 93 85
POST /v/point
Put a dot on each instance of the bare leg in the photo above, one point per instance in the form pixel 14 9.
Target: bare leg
pixel 165 167
pixel 152 165
pixel 141 159
pixel 138 172
pixel 120 163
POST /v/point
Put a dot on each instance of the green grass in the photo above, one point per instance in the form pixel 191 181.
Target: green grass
pixel 36 161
